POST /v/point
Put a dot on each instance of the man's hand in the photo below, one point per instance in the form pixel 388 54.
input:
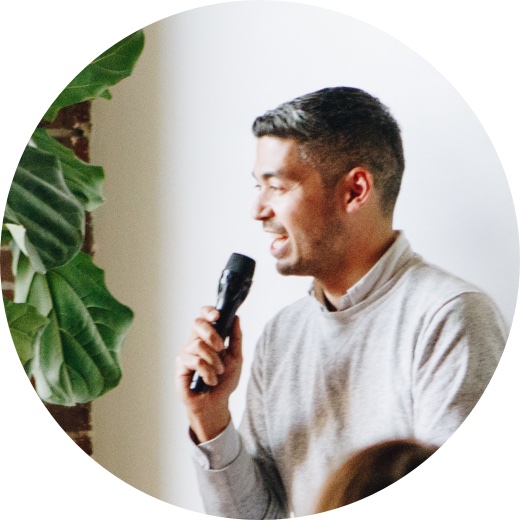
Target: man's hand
pixel 219 368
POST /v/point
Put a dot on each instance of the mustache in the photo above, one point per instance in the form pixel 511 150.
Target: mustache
pixel 273 227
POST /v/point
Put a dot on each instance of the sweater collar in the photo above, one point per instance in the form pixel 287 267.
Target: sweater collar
pixel 382 271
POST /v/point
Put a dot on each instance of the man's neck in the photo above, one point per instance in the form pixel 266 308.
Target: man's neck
pixel 356 267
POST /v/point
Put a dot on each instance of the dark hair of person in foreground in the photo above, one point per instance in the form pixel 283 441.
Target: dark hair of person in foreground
pixel 370 470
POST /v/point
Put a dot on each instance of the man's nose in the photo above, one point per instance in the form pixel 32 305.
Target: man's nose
pixel 261 210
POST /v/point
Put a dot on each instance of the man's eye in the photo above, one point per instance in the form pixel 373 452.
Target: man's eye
pixel 270 187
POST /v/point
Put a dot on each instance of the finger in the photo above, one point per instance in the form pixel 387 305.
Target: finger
pixel 204 331
pixel 209 313
pixel 188 364
pixel 205 352
pixel 235 339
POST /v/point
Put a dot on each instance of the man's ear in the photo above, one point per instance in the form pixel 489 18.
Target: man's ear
pixel 357 186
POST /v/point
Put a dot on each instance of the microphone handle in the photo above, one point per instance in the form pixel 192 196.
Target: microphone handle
pixel 222 326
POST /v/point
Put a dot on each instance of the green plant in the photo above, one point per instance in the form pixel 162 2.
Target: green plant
pixel 66 326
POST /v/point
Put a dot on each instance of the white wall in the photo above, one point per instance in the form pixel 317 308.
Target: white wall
pixel 176 146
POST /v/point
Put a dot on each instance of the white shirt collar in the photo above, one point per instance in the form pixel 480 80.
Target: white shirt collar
pixel 394 258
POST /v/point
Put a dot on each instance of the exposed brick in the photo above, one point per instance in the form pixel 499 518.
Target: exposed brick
pixel 89 245
pixel 73 419
pixel 72 128
pixel 8 293
pixel 5 260
pixel 69 117
pixel 83 440
pixel 76 422
pixel 6 273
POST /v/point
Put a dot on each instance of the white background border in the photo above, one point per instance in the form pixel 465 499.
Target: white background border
pixel 473 44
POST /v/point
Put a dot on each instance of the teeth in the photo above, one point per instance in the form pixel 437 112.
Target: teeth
pixel 278 242
pixel 277 239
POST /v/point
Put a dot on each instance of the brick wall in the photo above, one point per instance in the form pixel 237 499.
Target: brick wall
pixel 72 129
pixel 7 276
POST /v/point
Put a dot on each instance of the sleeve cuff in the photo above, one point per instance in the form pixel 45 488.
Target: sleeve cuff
pixel 220 452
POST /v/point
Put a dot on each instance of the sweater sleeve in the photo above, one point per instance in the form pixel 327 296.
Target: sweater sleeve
pixel 249 486
pixel 455 358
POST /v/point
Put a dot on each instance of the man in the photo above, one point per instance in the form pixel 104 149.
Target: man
pixel 385 346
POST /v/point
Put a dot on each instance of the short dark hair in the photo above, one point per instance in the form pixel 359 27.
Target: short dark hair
pixel 338 129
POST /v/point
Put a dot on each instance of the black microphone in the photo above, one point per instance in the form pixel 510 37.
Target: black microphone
pixel 233 288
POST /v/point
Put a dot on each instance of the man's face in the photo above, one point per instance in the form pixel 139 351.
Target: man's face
pixel 304 219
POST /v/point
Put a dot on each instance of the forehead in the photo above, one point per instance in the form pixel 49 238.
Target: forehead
pixel 276 156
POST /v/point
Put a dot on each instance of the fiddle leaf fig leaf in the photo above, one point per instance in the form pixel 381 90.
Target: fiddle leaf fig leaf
pixel 40 201
pixel 17 234
pixel 66 326
pixel 6 235
pixel 23 274
pixel 26 325
pixel 84 180
pixel 77 358
pixel 106 70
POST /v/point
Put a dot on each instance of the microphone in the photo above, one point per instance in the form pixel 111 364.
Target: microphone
pixel 233 288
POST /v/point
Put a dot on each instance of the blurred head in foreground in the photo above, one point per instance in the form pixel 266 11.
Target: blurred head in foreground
pixel 370 470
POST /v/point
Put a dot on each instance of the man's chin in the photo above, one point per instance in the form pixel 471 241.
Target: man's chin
pixel 287 268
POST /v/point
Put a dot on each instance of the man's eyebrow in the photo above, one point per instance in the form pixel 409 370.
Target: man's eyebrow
pixel 280 174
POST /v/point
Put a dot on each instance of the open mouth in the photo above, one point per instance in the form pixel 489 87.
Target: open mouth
pixel 279 236
pixel 277 244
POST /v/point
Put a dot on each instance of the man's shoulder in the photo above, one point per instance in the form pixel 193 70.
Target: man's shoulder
pixel 437 281
pixel 428 287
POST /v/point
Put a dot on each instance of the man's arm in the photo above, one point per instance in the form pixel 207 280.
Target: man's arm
pixel 239 489
pixel 232 482
pixel 208 412
pixel 455 359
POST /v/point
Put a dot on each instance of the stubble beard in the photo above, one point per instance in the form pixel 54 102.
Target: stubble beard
pixel 324 255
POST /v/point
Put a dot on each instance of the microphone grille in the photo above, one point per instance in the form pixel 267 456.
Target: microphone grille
pixel 241 263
